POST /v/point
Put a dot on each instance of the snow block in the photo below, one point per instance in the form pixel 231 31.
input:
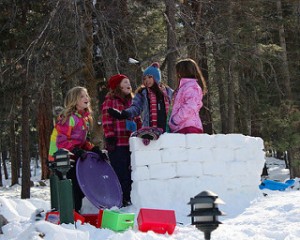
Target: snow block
pixel 235 140
pixel 193 169
pixel 171 155
pixel 162 171
pixel 143 158
pixel 200 141
pixel 140 173
pixel 199 154
pixel 172 140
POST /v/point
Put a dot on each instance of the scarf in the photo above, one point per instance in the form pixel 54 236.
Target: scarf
pixel 153 105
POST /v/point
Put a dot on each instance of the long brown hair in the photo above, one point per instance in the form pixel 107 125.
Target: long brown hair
pixel 156 88
pixel 188 68
pixel 117 92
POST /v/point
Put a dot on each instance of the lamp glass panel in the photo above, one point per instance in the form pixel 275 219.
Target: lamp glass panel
pixel 62 163
pixel 202 205
pixel 203 219
pixel 61 156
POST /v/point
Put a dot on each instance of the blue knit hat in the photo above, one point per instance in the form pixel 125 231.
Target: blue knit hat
pixel 154 71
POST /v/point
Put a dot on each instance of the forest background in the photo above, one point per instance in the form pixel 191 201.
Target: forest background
pixel 249 52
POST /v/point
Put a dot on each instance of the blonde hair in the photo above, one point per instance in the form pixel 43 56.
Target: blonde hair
pixel 70 102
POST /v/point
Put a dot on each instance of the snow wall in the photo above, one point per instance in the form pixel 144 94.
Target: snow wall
pixel 176 167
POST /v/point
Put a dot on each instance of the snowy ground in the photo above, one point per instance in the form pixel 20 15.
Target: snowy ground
pixel 274 216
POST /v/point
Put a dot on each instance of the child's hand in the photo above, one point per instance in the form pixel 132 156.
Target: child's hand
pixel 111 143
pixel 79 153
pixel 101 154
pixel 114 113
pixel 117 114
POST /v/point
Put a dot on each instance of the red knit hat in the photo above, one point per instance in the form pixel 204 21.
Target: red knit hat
pixel 115 80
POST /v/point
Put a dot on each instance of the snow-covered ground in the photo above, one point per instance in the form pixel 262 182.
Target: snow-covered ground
pixel 272 216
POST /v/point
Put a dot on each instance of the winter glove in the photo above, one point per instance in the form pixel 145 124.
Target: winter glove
pixel 79 153
pixel 131 126
pixel 147 136
pixel 117 114
pixel 97 150
pixel 111 143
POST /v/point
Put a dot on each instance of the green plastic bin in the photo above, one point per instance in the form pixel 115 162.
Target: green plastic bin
pixel 116 220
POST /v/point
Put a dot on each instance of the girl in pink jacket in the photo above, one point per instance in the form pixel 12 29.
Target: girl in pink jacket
pixel 187 99
pixel 70 132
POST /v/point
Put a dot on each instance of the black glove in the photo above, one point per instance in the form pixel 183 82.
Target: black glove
pixel 147 136
pixel 111 143
pixel 117 114
pixel 79 153
pixel 97 150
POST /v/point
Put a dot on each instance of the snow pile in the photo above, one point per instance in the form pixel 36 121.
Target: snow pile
pixel 274 215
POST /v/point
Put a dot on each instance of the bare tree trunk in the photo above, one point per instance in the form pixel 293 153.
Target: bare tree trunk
pixel 44 121
pixel 25 191
pixel 198 53
pixel 285 66
pixel 221 90
pixel 4 158
pixel 1 182
pixel 231 96
pixel 171 42
pixel 88 70
pixel 205 113
pixel 294 162
pixel 12 150
pixel 242 108
pixel 87 49
pixel 232 76
pixel 114 38
pixel 19 153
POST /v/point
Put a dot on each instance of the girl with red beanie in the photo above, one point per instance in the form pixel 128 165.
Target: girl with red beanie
pixel 118 131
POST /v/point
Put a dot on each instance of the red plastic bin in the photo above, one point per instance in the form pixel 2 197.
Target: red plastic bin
pixel 94 219
pixel 53 217
pixel 156 220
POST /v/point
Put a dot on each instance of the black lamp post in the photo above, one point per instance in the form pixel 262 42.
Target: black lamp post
pixel 62 160
pixel 204 212
pixel 61 187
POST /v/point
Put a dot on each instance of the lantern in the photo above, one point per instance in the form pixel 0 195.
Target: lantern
pixel 204 212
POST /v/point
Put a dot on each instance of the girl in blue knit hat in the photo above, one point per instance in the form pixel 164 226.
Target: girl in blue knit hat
pixel 152 100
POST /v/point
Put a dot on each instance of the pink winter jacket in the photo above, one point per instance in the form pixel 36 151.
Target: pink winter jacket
pixel 186 106
pixel 70 134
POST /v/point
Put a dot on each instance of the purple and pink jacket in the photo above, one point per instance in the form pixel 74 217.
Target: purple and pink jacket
pixel 186 104
pixel 70 134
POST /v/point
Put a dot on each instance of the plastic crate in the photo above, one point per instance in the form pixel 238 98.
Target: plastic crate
pixel 94 219
pixel 53 217
pixel 156 220
pixel 117 220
